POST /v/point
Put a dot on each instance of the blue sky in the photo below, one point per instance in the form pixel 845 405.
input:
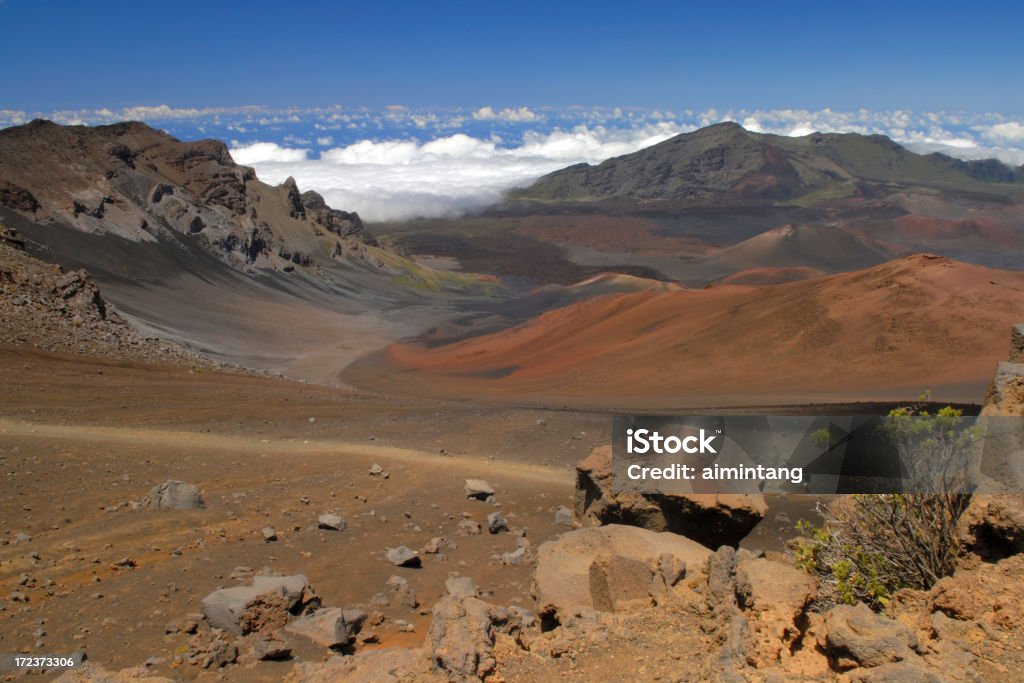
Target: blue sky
pixel 61 54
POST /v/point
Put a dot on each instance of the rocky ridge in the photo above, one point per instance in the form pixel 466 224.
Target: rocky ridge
pixel 140 184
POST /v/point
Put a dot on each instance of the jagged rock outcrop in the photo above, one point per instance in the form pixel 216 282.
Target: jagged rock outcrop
pixel 711 519
pixel 143 185
pixel 1006 393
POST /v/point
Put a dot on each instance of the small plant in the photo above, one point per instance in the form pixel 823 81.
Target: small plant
pixel 871 545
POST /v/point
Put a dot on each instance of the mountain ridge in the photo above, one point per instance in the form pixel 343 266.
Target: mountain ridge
pixel 724 161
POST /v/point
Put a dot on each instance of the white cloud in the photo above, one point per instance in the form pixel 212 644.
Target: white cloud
pixel 398 179
pixel 1011 131
pixel 520 115
pixel 267 152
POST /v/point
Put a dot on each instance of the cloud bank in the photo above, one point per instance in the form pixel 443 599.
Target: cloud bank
pixel 400 179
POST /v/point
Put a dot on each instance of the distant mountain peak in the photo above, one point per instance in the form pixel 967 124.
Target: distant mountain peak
pixel 726 163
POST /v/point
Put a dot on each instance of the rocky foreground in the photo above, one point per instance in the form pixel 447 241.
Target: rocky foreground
pixel 611 601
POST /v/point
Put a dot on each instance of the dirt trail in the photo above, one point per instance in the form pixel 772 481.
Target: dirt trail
pixel 306 447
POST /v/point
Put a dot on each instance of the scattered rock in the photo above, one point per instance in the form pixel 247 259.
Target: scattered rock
pixel 461 587
pixel 468 527
pixel 332 522
pixel 515 557
pixel 434 545
pixel 496 523
pixel 563 516
pixel 407 597
pixel 402 556
pixel 479 489
pixel 173 495
pixel 378 471
pixel 269 534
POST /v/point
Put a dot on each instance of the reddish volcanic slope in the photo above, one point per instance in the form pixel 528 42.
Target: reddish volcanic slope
pixel 770 276
pixel 887 332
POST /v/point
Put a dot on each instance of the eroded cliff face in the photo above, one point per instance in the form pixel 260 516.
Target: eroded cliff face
pixel 140 184
pixel 1006 394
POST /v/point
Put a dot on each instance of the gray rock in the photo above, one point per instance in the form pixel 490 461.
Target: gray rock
pixel 479 489
pixel 268 603
pixel 329 626
pixel 380 599
pixel 857 633
pixel 563 516
pixel 270 648
pixel 407 597
pixel 173 495
pixel 434 545
pixel 396 582
pixel 378 471
pixel 468 527
pixel 496 523
pixel 333 522
pixel 516 557
pixel 402 556
pixel 269 534
pixel 461 587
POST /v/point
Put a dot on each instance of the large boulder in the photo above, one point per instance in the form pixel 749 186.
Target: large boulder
pixel 175 495
pixel 269 603
pixel 606 568
pixel 773 597
pixel 711 519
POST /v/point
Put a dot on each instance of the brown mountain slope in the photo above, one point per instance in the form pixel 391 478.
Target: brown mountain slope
pixel 888 332
pixel 138 183
pixel 829 249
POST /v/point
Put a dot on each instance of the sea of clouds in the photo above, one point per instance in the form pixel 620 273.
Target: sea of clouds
pixel 400 162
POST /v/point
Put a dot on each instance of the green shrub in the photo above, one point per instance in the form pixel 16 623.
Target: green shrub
pixel 871 545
